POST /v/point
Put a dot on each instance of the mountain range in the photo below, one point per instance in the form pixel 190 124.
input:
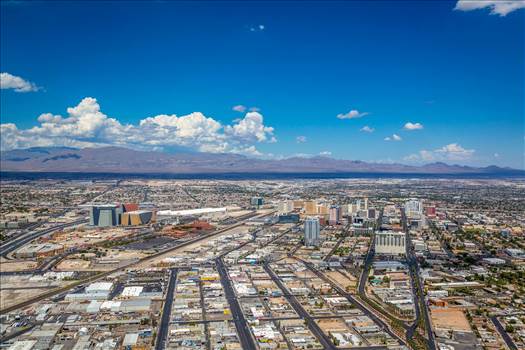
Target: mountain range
pixel 124 160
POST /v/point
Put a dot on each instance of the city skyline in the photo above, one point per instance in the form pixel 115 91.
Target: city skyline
pixel 401 82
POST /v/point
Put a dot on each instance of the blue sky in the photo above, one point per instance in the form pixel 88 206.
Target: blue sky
pixel 456 74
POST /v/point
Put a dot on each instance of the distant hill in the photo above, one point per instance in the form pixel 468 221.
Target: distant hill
pixel 123 160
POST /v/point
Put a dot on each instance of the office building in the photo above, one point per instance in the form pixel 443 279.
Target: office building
pixel 361 204
pixel 322 209
pixel 107 215
pixel 312 230
pixel 137 217
pixel 257 201
pixel 335 215
pixel 104 215
pixel 285 207
pixel 391 243
pixel 310 207
pixel 413 207
pixel 430 211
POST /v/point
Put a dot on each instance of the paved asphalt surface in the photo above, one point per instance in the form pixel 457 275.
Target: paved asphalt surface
pixel 59 291
pixel 314 328
pixel 247 342
pixel 354 301
pixel 162 335
pixel 506 337
pixel 414 266
pixel 17 243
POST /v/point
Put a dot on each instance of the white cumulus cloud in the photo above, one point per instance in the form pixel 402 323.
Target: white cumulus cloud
pixel 413 126
pixel 251 128
pixel 9 81
pixel 353 114
pixel 497 7
pixel 87 126
pixel 450 152
pixel 366 128
pixel 239 108
pixel 301 139
pixel 394 137
pixel 325 153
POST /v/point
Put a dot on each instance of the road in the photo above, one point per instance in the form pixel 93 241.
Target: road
pixel 162 335
pixel 344 231
pixel 421 305
pixel 17 243
pixel 411 262
pixel 245 337
pixel 63 290
pixel 353 300
pixel 506 337
pixel 314 328
pixel 366 266
pixel 369 257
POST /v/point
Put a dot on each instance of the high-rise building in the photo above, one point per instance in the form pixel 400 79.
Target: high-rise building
pixel 361 204
pixel 310 207
pixel 298 204
pixel 413 207
pixel 257 201
pixel 335 215
pixel 322 209
pixel 390 243
pixel 105 215
pixel 137 217
pixel 430 211
pixel 312 230
pixel 285 207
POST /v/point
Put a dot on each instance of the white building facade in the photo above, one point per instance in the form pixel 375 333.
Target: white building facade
pixel 391 243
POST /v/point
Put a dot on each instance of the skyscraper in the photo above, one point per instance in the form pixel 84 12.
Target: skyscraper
pixel 257 201
pixel 285 207
pixel 312 230
pixel 335 215
pixel 310 207
pixel 413 207
pixel 103 215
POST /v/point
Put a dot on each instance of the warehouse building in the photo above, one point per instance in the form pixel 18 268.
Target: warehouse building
pixel 39 250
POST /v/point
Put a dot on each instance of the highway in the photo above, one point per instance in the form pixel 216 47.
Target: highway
pixel 417 289
pixel 45 266
pixel 366 266
pixel 162 335
pixel 64 289
pixel 20 241
pixel 369 257
pixel 411 261
pixel 245 337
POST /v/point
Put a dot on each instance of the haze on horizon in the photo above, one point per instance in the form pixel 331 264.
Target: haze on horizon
pixel 394 82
